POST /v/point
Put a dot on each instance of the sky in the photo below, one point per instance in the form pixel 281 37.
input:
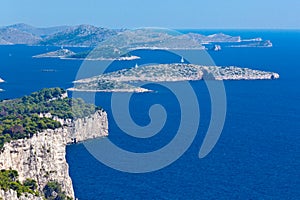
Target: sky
pixel 196 14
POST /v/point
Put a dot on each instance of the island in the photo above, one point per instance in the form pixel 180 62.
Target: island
pixel 254 43
pixel 61 53
pixel 92 36
pixel 106 85
pixel 34 132
pixel 123 80
pixel 216 48
pixel 218 37
pixel 98 54
pixel 119 44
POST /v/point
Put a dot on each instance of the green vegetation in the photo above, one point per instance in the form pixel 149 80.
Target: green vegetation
pixel 53 191
pixel 103 52
pixel 82 55
pixel 9 180
pixel 19 118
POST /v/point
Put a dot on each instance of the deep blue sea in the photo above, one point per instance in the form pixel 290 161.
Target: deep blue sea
pixel 256 157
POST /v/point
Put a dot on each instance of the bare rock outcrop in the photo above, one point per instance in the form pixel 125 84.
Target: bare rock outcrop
pixel 43 156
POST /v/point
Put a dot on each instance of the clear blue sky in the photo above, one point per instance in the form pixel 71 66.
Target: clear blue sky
pixel 158 13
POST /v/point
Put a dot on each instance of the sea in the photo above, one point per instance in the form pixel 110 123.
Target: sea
pixel 256 157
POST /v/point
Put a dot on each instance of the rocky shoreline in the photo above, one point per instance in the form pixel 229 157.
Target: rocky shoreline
pixel 134 90
pixel 121 81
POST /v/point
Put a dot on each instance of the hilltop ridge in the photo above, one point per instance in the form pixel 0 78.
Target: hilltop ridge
pixel 88 36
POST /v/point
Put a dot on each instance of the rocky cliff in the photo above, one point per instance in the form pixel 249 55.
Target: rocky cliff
pixel 42 157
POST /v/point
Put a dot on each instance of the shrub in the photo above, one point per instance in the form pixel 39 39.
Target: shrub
pixel 19 118
pixel 53 191
pixel 8 180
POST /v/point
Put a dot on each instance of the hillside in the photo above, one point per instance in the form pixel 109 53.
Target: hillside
pixel 82 35
pixel 41 32
pixel 14 36
pixel 20 118
pixel 90 36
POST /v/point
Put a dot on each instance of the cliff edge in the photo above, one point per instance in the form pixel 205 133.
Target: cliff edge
pixel 41 158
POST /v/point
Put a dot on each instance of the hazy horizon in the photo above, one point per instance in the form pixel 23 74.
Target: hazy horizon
pixel 187 28
pixel 232 14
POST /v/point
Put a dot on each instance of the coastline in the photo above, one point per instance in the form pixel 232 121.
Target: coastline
pixel 137 90
pixel 47 152
pixel 40 153
pixel 99 59
pixel 121 81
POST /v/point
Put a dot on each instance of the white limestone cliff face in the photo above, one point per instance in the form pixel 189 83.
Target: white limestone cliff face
pixel 43 157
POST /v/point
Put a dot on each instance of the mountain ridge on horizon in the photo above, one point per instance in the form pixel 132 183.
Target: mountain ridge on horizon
pixel 22 33
pixel 85 35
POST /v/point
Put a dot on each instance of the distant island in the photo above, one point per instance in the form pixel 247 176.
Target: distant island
pixel 255 44
pixel 81 35
pixel 122 80
pixel 118 45
pixel 106 85
pixel 64 53
pixel 91 36
pixel 61 53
